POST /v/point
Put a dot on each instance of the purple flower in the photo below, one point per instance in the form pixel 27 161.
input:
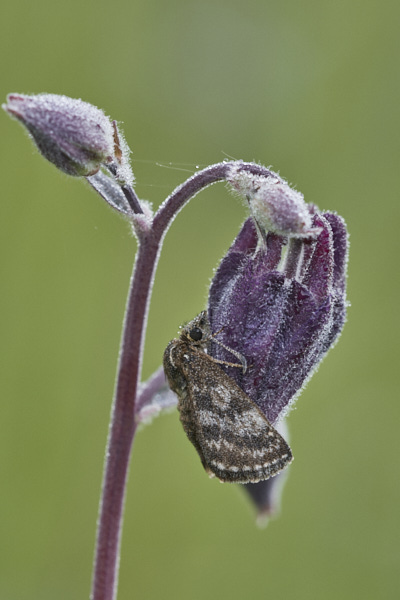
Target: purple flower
pixel 279 299
pixel 283 315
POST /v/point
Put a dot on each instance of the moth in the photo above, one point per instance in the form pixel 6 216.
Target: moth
pixel 234 440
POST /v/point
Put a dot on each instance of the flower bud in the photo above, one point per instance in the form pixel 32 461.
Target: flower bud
pixel 275 206
pixel 74 135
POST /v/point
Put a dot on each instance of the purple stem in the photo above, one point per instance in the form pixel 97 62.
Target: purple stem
pixel 123 424
pixel 177 200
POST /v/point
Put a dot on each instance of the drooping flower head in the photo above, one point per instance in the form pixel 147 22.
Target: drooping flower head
pixel 278 298
pixel 279 295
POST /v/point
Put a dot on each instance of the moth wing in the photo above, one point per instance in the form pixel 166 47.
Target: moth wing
pixel 233 437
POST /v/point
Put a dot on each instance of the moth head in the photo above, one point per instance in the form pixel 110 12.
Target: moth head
pixel 197 331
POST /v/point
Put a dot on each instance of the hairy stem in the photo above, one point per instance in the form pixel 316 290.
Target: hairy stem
pixel 123 425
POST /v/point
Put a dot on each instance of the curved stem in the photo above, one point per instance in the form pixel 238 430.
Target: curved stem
pixel 182 194
pixel 123 425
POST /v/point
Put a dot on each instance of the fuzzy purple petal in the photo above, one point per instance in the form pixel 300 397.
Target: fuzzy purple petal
pixel 282 321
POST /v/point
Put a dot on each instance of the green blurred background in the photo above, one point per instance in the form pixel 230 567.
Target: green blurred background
pixel 311 88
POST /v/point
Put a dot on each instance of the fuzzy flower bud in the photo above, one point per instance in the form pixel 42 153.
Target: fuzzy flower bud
pixel 273 203
pixel 75 136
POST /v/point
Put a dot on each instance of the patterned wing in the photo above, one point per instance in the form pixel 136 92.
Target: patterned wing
pixel 235 441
